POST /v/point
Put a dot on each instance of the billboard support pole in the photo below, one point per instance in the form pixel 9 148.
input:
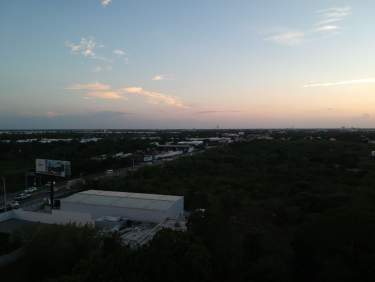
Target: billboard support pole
pixel 52 168
pixel 5 193
pixel 52 192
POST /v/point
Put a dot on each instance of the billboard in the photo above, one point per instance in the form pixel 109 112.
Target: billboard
pixel 53 167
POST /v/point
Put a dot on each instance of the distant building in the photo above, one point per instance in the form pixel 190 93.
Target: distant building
pixel 50 140
pixel 148 158
pixel 133 206
pixel 100 157
pixel 219 140
pixel 122 155
pixel 185 148
pixel 264 137
pixel 192 143
pixel 27 140
pixel 88 140
pixel 168 155
pixel 231 135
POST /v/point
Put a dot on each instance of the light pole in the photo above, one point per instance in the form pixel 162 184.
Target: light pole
pixel 5 193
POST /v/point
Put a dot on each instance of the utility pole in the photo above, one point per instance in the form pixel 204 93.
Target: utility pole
pixel 52 192
pixel 5 193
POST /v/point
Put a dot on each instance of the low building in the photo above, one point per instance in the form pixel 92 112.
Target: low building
pixel 168 155
pixel 185 148
pixel 88 140
pixel 148 158
pixel 192 143
pixel 132 206
pixel 122 155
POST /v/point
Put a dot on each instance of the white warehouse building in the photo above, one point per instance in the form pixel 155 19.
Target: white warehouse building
pixel 133 206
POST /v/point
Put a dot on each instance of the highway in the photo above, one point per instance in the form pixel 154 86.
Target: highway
pixel 61 189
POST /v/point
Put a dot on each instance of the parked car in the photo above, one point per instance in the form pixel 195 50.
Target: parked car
pixel 22 196
pixel 13 205
pixel 31 190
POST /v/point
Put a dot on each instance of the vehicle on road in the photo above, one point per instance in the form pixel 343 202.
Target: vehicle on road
pixel 14 205
pixel 22 196
pixel 31 190
pixel 10 206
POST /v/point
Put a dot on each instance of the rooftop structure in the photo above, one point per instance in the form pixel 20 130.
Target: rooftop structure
pixel 167 155
pixel 134 206
pixel 191 143
pixel 177 147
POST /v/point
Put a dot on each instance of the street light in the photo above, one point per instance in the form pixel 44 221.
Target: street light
pixel 5 193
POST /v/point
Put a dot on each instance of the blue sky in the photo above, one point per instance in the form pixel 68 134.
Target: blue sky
pixel 186 64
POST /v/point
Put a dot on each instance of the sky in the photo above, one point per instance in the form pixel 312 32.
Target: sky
pixel 187 64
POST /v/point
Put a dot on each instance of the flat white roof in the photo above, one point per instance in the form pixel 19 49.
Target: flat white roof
pixel 123 199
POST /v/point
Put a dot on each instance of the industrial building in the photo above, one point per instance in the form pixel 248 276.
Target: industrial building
pixel 132 206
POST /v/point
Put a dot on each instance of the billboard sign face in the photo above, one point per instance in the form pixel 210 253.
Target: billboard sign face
pixel 148 158
pixel 53 167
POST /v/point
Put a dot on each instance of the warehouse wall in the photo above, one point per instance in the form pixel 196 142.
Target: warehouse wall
pixel 56 217
pixel 6 215
pixel 177 209
pixel 97 211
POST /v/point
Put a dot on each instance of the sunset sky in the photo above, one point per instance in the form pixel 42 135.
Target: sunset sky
pixel 187 64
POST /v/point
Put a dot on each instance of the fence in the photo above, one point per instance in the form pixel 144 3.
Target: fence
pixel 6 215
pixel 55 217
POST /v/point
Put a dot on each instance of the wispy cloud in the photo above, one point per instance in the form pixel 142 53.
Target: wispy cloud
pixel 208 112
pixel 335 13
pixel 119 52
pixel 156 97
pixel 102 68
pixel 105 3
pixel 329 19
pixel 96 86
pixel 328 22
pixel 327 28
pixel 97 90
pixel 52 114
pixel 341 83
pixel 160 77
pixel 105 91
pixel 108 95
pixel 289 38
pixel 88 47
pixel 85 47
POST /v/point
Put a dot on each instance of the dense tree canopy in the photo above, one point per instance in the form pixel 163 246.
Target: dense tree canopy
pixel 296 210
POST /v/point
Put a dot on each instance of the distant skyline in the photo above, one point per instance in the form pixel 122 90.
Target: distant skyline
pixel 186 64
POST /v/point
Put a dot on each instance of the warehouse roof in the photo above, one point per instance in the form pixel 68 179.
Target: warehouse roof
pixel 123 199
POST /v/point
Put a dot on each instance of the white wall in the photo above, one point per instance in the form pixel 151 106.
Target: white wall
pixel 56 217
pixel 134 214
pixel 6 215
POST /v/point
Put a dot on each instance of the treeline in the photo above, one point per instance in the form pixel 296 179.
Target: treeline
pixel 260 211
pixel 276 210
pixel 18 158
pixel 69 253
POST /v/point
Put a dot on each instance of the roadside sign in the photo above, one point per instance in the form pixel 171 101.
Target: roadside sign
pixel 53 167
